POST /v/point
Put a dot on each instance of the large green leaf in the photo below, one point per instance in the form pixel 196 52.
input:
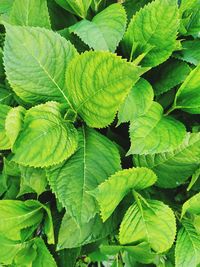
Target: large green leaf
pixel 153 28
pixel 73 235
pixel 30 13
pixel 46 139
pixel 98 83
pixel 192 205
pixel 4 140
pixel 137 102
pixel 106 29
pixel 188 95
pixel 14 122
pixel 155 133
pixel 44 54
pixel 132 6
pixel 95 159
pixel 150 221
pixel 77 7
pixel 173 168
pixel 5 5
pixel 187 252
pixel 120 184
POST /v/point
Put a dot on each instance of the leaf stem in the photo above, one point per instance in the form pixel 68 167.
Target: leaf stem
pixel 170 110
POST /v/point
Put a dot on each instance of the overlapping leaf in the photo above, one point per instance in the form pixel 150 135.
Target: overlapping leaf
pixel 4 140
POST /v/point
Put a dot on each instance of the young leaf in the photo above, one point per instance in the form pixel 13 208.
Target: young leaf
pixel 155 133
pixel 120 184
pixel 195 177
pixel 154 223
pixel 25 13
pixel 188 95
pixel 192 205
pixel 44 54
pixel 187 251
pixel 4 140
pixel 14 122
pixel 137 102
pixel 173 168
pixel 77 7
pixel 26 255
pixel 98 83
pixel 95 159
pixel 52 139
pixel 153 28
pixel 73 235
pixel 106 29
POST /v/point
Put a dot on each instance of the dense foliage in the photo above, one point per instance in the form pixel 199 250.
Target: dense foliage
pixel 99 133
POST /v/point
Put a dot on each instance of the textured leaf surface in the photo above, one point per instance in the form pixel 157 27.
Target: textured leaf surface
pixel 188 95
pixel 73 235
pixel 30 13
pixel 192 205
pixel 150 29
pixel 137 102
pixel 42 53
pixel 132 6
pixel 173 168
pixel 187 252
pixel 155 133
pixel 98 83
pixel 120 184
pixel 4 140
pixel 14 123
pixel 154 223
pixel 95 159
pixel 106 29
pixel 52 139
pixel 195 177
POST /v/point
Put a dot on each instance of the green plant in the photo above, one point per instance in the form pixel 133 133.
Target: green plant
pixel 99 133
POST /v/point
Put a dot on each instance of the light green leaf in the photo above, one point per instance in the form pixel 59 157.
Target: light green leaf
pixel 46 139
pixel 26 255
pixel 137 102
pixel 120 184
pixel 132 6
pixel 195 177
pixel 190 52
pixel 98 82
pixel 14 122
pixel 155 133
pixel 192 205
pixel 44 54
pixel 106 29
pixel 4 140
pixel 187 251
pixel 153 223
pixel 153 28
pixel 5 6
pixel 188 95
pixel 9 249
pixel 77 7
pixel 173 168
pixel 95 159
pixel 30 13
pixel 16 215
pixel 169 75
pixel 193 27
pixel 73 235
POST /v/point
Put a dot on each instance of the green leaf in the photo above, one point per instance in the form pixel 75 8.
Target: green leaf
pixel 77 7
pixel 26 255
pixel 192 205
pixel 153 28
pixel 106 29
pixel 52 139
pixel 95 159
pixel 187 251
pixel 14 122
pixel 44 54
pixel 17 215
pixel 5 6
pixel 155 133
pixel 153 223
pixel 120 184
pixel 98 82
pixel 169 75
pixel 5 95
pixel 4 140
pixel 73 235
pixel 137 102
pixel 132 6
pixel 188 95
pixel 195 177
pixel 190 52
pixel 173 168
pixel 25 13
